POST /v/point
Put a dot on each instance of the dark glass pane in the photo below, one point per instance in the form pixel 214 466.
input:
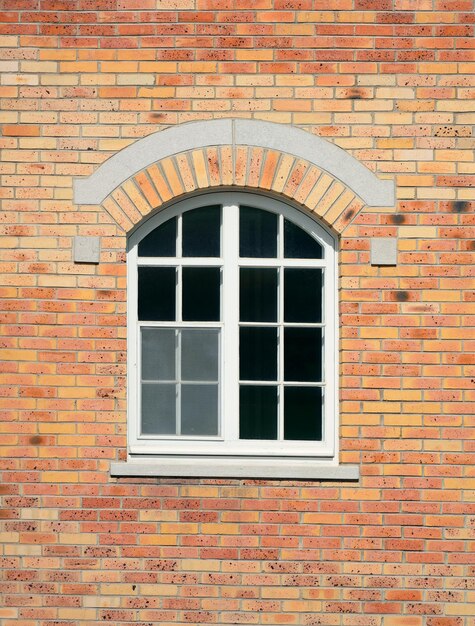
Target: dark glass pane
pixel 199 410
pixel 258 353
pixel 201 232
pixel 303 354
pixel 156 293
pixel 257 233
pixel 258 294
pixel 257 412
pixel 158 354
pixel 303 413
pixel 158 409
pixel 300 245
pixel 302 295
pixel 200 354
pixel 201 290
pixel 161 241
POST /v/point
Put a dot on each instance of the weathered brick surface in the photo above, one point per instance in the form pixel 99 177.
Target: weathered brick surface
pixel 390 82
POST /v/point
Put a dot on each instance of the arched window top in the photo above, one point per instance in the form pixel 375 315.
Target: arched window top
pixel 162 224
pixel 233 133
pixel 260 235
pixel 233 338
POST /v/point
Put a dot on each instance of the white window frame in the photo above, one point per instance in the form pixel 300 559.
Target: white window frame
pixel 227 455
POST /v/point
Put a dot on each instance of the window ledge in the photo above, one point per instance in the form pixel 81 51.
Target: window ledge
pixel 236 468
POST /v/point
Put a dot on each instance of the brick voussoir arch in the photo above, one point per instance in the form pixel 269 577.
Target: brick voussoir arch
pixel 245 154
pixel 245 167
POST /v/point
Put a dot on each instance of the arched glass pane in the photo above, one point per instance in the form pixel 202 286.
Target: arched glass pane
pixel 201 232
pixel 300 245
pixel 161 241
pixel 257 233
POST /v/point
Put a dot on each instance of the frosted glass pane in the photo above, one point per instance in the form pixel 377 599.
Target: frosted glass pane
pixel 201 232
pixel 161 241
pixel 303 354
pixel 257 412
pixel 258 294
pixel 158 409
pixel 200 354
pixel 257 233
pixel 199 410
pixel 156 297
pixel 201 291
pixel 158 354
pixel 303 413
pixel 302 295
pixel 257 353
pixel 300 245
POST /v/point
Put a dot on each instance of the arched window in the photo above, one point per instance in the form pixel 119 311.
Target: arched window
pixel 232 329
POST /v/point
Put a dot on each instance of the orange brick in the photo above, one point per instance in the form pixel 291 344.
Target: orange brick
pixel 21 130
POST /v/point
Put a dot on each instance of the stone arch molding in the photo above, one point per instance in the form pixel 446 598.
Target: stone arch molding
pixel 251 154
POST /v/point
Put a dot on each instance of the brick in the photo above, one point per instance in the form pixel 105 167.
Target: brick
pixel 147 189
pixel 21 130
pixel 138 200
pixel 128 206
pixel 161 186
pixel 282 172
pixel 199 168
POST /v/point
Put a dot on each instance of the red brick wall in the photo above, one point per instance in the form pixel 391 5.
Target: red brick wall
pixel 391 83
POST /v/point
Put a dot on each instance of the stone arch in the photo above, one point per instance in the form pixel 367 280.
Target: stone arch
pixel 243 154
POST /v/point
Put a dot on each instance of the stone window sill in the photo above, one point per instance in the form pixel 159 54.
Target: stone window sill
pixel 223 467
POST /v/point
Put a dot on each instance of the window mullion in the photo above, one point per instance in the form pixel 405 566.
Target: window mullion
pixel 280 321
pixel 230 311
pixel 178 381
pixel 178 318
pixel 179 274
pixel 134 384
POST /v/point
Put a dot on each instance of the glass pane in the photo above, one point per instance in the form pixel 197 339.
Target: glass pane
pixel 156 293
pixel 201 232
pixel 258 294
pixel 303 354
pixel 161 241
pixel 158 409
pixel 302 295
pixel 158 354
pixel 258 353
pixel 199 410
pixel 257 412
pixel 201 290
pixel 303 413
pixel 257 233
pixel 300 245
pixel 200 354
